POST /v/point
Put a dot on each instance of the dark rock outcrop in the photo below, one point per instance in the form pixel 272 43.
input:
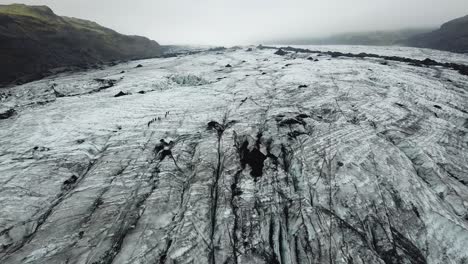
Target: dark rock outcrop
pixel 120 94
pixel 280 52
pixel 7 114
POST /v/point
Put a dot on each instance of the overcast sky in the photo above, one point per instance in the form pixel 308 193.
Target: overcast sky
pixel 229 22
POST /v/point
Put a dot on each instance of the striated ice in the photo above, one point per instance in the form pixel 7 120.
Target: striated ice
pixel 339 160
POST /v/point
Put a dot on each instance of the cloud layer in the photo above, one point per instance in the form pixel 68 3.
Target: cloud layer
pixel 252 21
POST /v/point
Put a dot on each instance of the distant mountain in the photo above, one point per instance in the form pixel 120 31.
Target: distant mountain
pixel 35 42
pixel 376 38
pixel 452 36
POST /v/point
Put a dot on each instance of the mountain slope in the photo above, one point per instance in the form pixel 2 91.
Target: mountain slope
pixel 34 40
pixel 452 36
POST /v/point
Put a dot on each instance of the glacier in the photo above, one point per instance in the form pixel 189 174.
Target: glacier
pixel 301 158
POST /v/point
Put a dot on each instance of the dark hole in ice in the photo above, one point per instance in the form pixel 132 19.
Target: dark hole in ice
pixel 303 86
pixel 166 152
pixel 340 164
pixel 254 158
pixel 236 191
pixel 228 66
pixel 302 116
pixel 163 149
pixel 139 66
pixel 72 180
pixel 438 106
pixel 141 92
pixel 291 121
pixel 213 125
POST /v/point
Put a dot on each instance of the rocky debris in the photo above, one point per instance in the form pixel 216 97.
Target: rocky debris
pixel 188 80
pixel 41 149
pixel 106 83
pixel 57 93
pixel 119 94
pixel 5 114
pixel 4 96
pixel 69 182
pixel 280 52
pixel 97 85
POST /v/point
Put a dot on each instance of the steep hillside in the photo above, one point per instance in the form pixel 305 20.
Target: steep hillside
pixel 452 36
pixel 34 42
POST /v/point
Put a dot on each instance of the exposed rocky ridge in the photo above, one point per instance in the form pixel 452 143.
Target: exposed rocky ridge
pixel 276 159
pixel 461 68
pixel 35 42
